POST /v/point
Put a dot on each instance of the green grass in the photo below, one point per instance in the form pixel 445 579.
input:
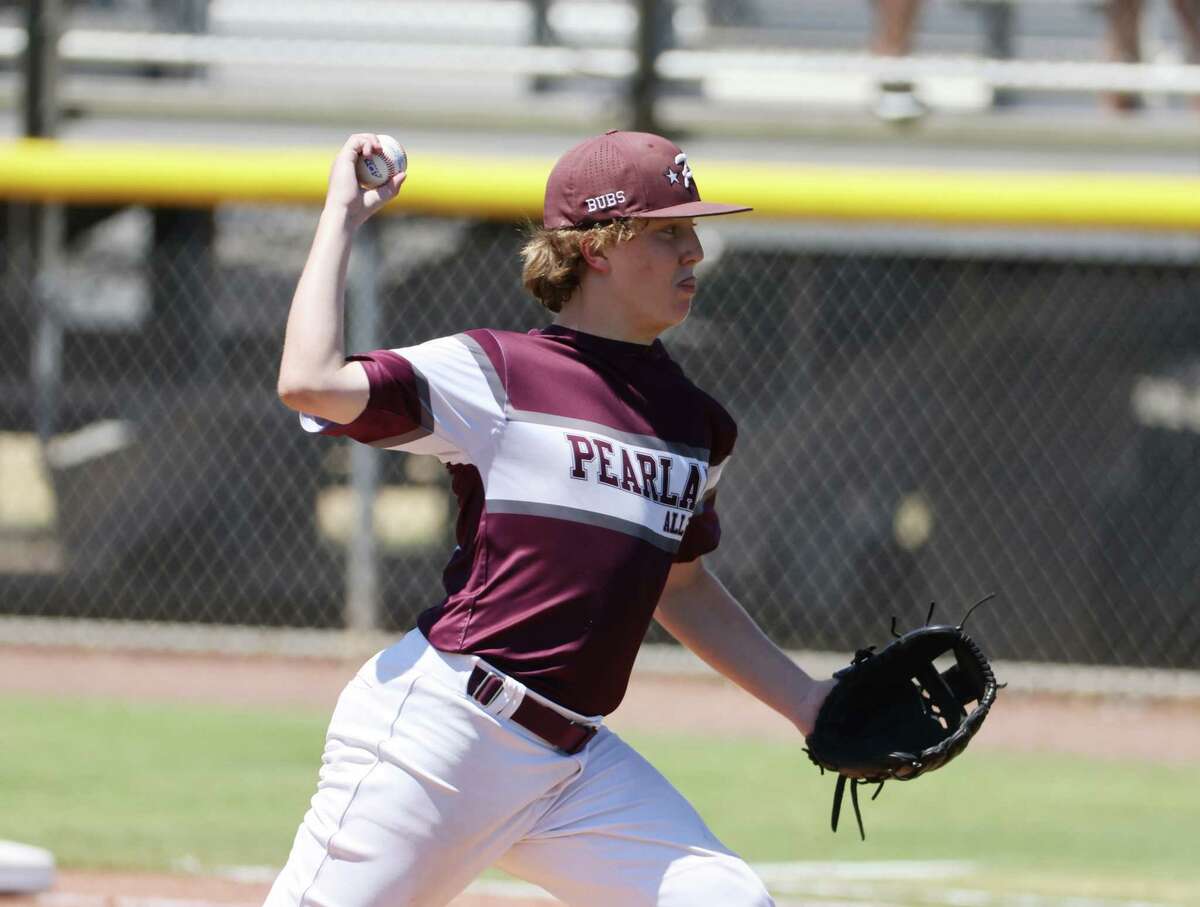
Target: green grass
pixel 1044 813
pixel 110 785
pixel 113 785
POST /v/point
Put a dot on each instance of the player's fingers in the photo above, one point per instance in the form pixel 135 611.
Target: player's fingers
pixel 362 143
pixel 377 198
pixel 353 144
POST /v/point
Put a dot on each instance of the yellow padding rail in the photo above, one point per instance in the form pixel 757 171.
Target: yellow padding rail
pixel 510 188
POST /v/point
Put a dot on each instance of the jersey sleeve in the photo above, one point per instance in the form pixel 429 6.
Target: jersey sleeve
pixel 441 398
pixel 703 533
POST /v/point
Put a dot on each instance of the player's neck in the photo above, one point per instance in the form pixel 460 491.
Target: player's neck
pixel 600 318
pixel 605 331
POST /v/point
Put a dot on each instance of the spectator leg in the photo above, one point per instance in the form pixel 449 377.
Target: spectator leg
pixel 895 21
pixel 1188 14
pixel 1124 46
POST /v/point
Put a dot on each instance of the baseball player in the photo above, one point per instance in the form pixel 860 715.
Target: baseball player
pixel 586 466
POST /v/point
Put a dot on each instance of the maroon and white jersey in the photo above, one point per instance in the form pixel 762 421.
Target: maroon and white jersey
pixel 584 467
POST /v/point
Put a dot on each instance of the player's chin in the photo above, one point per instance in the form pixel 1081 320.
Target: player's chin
pixel 680 309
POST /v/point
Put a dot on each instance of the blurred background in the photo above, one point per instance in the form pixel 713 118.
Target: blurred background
pixel 960 335
pixel 928 411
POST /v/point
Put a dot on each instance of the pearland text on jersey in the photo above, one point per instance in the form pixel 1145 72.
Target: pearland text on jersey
pixel 611 463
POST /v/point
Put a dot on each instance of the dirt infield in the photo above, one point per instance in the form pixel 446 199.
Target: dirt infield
pixel 1103 728
pixel 708 705
pixel 111 889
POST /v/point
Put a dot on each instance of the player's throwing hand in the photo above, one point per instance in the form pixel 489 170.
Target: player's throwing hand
pixel 344 189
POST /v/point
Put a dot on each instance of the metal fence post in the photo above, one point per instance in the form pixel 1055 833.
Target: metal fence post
pixel 999 27
pixel 42 224
pixel 654 22
pixel 46 342
pixel 362 557
pixel 542 37
pixel 43 25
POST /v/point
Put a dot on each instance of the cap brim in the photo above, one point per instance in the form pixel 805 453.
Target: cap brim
pixel 694 209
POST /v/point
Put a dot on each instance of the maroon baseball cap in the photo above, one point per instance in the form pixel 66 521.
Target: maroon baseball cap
pixel 624 174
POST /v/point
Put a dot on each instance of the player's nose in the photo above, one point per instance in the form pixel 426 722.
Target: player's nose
pixel 693 251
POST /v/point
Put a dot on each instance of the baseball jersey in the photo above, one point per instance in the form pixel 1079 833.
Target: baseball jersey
pixel 584 467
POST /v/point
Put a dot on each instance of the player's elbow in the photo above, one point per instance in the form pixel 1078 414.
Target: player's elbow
pixel 337 395
pixel 296 393
pixel 685 575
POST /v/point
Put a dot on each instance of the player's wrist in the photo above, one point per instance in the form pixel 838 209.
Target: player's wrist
pixel 811 698
pixel 340 217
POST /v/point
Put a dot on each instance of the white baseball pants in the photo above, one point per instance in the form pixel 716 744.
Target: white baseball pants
pixel 421 789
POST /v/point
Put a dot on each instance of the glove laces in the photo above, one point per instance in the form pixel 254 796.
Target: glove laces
pixel 837 801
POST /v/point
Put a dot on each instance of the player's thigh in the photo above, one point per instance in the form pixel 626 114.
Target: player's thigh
pixel 378 869
pixel 619 833
pixel 419 791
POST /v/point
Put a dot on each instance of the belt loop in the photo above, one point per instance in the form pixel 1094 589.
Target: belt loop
pixel 513 695
pixel 586 734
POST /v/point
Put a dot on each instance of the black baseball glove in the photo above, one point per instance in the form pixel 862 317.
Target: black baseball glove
pixel 892 714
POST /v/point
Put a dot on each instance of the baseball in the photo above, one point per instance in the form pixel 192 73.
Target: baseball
pixel 376 169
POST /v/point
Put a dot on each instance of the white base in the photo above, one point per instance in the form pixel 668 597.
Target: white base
pixel 24 868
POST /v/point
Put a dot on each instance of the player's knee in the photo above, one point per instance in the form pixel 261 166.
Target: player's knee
pixel 746 890
pixel 727 881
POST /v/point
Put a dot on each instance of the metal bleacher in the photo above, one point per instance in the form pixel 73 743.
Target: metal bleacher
pixel 736 59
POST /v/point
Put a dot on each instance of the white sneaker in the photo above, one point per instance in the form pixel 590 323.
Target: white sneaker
pixel 897 103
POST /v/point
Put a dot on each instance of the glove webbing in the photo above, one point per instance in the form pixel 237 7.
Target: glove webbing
pixel 942 696
pixel 837 801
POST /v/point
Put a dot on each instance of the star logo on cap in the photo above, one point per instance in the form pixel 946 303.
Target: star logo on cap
pixel 672 176
pixel 681 158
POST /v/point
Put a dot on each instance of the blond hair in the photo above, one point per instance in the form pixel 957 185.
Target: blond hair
pixel 553 259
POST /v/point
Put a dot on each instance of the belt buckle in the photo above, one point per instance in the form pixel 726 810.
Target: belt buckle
pixel 488 687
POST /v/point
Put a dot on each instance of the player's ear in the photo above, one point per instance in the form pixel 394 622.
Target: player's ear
pixel 595 258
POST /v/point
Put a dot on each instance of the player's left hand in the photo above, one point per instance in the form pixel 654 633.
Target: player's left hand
pixel 818 691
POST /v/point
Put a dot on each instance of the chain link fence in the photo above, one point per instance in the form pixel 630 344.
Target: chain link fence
pixel 918 422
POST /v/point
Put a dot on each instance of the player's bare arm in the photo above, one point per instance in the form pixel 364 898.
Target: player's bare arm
pixel 699 611
pixel 314 376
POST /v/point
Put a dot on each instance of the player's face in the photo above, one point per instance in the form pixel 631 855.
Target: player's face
pixel 653 274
